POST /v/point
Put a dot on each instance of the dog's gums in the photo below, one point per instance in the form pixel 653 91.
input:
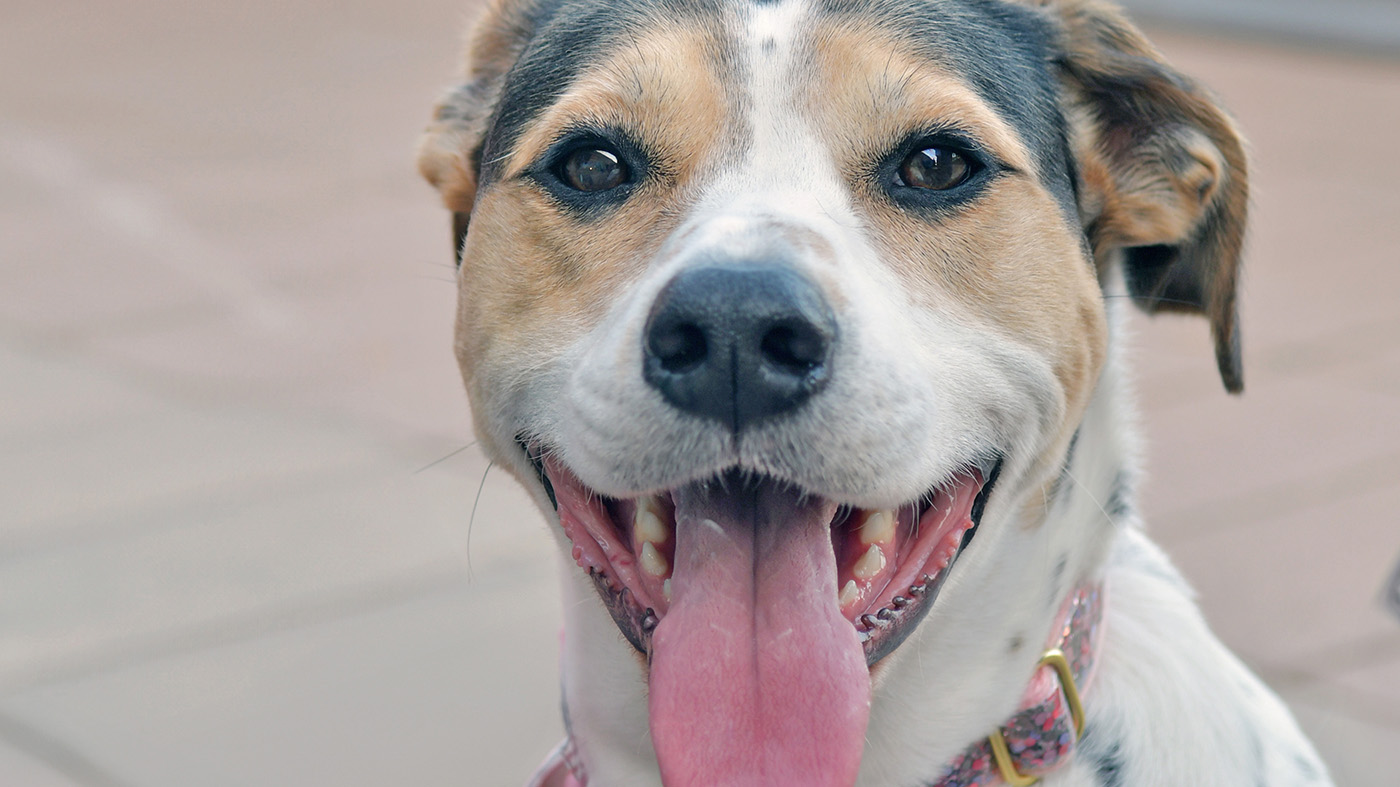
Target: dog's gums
pixel 890 563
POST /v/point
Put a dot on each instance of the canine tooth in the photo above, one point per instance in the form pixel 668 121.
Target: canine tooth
pixel 653 562
pixel 647 524
pixel 870 564
pixel 878 527
pixel 849 593
pixel 666 589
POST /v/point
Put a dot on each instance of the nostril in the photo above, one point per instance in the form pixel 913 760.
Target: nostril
pixel 738 342
pixel 795 348
pixel 679 348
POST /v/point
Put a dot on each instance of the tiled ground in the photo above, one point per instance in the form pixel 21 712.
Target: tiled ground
pixel 225 308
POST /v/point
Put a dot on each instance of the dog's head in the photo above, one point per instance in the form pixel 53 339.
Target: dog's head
pixel 775 302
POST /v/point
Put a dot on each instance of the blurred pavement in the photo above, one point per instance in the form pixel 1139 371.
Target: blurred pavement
pixel 225 359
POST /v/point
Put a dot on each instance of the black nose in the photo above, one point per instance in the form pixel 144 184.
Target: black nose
pixel 739 342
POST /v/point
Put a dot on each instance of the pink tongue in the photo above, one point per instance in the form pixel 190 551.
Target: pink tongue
pixel 756 677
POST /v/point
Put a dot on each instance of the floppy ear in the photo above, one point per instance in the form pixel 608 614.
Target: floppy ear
pixel 449 153
pixel 1163 173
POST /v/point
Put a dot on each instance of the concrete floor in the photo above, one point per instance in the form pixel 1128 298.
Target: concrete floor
pixel 225 314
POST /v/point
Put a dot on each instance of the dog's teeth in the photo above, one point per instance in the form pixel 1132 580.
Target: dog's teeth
pixel 666 590
pixel 870 564
pixel 878 528
pixel 647 524
pixel 653 562
pixel 849 594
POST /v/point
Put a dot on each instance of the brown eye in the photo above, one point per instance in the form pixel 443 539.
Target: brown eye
pixel 936 169
pixel 593 169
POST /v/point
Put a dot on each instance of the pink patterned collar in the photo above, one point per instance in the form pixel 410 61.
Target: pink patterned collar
pixel 1039 738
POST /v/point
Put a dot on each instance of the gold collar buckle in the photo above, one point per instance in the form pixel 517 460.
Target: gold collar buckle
pixel 1055 659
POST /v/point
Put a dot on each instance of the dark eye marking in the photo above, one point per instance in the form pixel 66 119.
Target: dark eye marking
pixel 935 169
pixel 592 169
pixel 589 171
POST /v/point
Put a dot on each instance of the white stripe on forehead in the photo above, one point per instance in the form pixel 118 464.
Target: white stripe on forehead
pixel 776 21
pixel 778 131
pixel 787 169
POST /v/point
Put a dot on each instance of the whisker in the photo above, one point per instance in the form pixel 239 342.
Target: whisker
pixel 1178 301
pixel 471 574
pixel 1107 516
pixel 437 264
pixel 437 462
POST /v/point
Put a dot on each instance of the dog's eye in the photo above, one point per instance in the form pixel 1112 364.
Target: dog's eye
pixel 593 169
pixel 936 169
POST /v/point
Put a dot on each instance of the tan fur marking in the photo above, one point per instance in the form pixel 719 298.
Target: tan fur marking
pixel 662 88
pixel 877 91
pixel 534 277
pixel 1010 261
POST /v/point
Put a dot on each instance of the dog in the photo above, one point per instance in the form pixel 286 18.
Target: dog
pixel 800 320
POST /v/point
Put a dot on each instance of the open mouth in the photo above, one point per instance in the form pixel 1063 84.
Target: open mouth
pixel 761 610
pixel 890 563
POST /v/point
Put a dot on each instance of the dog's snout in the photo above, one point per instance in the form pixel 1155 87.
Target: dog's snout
pixel 739 342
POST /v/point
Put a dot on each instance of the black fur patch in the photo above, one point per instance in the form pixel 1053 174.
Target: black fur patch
pixel 1120 499
pixel 1063 479
pixel 1104 756
pixel 1110 768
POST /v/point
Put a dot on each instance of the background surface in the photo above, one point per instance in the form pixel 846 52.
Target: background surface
pixel 225 319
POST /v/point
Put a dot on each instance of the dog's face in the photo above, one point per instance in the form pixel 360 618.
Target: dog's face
pixel 785 306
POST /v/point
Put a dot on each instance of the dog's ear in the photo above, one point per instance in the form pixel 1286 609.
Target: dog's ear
pixel 1163 172
pixel 449 153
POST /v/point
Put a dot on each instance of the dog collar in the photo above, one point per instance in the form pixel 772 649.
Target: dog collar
pixel 1039 738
